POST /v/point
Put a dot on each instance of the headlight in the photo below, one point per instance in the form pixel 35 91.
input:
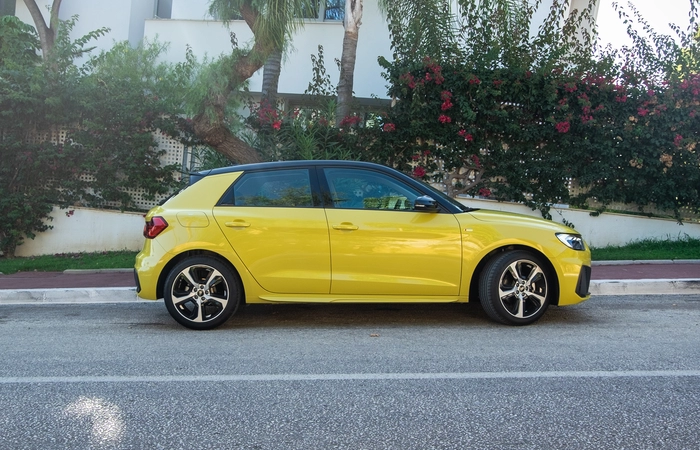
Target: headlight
pixel 573 241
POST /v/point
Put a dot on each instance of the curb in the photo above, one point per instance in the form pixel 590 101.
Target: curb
pixel 128 294
pixel 89 271
pixel 69 295
pixel 646 287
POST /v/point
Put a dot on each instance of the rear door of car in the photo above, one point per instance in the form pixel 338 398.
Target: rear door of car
pixel 380 245
pixel 278 228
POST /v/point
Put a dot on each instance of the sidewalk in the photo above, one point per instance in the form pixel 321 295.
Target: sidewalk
pixel 117 285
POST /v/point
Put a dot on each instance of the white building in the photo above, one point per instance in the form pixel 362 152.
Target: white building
pixel 187 22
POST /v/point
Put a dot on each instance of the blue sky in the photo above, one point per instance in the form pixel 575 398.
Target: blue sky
pixel 659 13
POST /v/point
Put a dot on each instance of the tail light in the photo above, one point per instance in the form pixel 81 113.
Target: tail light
pixel 154 227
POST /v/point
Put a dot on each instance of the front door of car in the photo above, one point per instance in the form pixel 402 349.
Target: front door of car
pixel 379 245
pixel 270 221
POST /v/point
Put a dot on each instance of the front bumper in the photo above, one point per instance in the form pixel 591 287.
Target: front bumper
pixel 584 282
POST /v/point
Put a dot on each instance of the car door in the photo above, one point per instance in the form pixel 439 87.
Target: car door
pixel 380 245
pixel 278 229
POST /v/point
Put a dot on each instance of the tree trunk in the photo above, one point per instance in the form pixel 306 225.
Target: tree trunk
pixel 271 77
pixel 219 137
pixel 353 19
pixel 210 123
pixel 47 33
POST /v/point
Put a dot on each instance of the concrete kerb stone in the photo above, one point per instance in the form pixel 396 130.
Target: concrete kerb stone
pixel 128 294
pixel 69 295
pixel 645 287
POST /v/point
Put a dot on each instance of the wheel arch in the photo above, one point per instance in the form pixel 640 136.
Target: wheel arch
pixel 160 288
pixel 476 275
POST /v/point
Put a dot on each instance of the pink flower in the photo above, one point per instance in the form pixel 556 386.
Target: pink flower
pixel 350 121
pixel 444 119
pixel 677 140
pixel 467 137
pixel 419 172
pixel 563 127
pixel 485 192
pixel 447 104
pixel 642 111
pixel 389 127
pixel 277 124
pixel 475 160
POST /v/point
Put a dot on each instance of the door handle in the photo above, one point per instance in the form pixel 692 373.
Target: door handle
pixel 237 224
pixel 345 226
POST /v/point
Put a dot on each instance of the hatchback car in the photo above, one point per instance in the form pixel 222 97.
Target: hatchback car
pixel 342 231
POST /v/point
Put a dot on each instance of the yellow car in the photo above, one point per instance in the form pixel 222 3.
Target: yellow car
pixel 346 232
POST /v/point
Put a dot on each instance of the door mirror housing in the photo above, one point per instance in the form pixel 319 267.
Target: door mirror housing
pixel 425 203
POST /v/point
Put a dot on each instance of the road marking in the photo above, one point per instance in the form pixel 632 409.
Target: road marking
pixel 352 377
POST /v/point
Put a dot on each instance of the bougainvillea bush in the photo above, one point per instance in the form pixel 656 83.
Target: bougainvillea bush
pixel 541 115
pixel 523 117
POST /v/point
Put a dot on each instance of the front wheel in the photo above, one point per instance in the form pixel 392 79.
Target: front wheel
pixel 202 293
pixel 515 288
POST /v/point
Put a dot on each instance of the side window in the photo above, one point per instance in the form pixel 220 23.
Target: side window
pixel 367 189
pixel 278 188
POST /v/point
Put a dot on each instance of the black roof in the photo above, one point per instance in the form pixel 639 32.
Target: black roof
pixel 281 164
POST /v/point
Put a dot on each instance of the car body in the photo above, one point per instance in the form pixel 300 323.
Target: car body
pixel 345 231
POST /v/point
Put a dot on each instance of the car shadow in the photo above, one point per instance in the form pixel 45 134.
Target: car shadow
pixel 406 315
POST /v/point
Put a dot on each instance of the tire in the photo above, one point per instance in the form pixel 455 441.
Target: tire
pixel 202 293
pixel 515 288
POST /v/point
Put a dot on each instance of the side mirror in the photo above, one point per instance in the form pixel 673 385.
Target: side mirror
pixel 425 203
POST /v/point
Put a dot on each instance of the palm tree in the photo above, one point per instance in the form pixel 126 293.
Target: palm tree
pixel 351 22
pixel 420 28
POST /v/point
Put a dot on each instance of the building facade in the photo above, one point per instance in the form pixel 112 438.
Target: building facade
pixel 183 23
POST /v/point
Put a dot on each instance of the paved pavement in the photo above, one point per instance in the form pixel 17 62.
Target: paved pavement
pixel 117 285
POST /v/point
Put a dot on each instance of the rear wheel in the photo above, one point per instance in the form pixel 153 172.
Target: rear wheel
pixel 515 288
pixel 202 293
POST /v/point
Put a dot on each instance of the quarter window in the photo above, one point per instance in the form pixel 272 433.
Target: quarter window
pixel 279 188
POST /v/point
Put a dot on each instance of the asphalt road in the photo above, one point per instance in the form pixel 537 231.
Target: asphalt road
pixel 614 372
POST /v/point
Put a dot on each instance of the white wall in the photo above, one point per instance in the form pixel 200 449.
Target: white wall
pixel 211 38
pixel 91 230
pixel 87 230
pixel 124 18
pixel 190 9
